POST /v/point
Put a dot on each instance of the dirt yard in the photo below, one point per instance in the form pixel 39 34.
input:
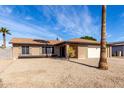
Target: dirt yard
pixel 60 73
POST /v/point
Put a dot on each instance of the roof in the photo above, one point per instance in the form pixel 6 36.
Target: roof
pixel 117 43
pixel 33 41
pixel 54 41
pixel 51 42
pixel 78 40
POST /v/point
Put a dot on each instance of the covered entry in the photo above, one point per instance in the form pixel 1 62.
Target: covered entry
pixel 62 51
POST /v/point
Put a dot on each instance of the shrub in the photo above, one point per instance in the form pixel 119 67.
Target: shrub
pixel 71 52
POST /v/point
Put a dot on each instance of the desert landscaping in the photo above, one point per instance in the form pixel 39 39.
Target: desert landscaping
pixel 58 72
pixel 53 61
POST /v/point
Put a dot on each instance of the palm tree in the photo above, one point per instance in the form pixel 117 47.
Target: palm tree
pixel 103 58
pixel 4 31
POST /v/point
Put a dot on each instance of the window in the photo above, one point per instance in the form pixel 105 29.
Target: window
pixel 47 50
pixel 25 49
pixel 43 50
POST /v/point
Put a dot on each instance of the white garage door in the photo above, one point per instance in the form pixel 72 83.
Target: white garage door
pixel 93 52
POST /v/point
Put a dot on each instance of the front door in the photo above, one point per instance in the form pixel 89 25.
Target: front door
pixel 62 51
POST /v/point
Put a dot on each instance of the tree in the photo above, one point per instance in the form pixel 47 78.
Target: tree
pixel 71 52
pixel 88 38
pixel 4 31
pixel 103 58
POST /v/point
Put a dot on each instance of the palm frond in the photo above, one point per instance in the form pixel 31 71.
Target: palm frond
pixel 5 30
pixel 9 33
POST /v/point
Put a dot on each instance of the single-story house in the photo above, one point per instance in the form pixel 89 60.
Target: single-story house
pixel 117 48
pixel 27 47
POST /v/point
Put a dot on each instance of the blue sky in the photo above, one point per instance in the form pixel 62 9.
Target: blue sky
pixel 64 22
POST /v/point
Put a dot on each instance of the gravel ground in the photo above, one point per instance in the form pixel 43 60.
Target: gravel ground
pixel 46 72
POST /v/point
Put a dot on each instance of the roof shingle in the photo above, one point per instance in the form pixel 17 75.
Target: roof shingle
pixel 33 41
pixel 78 40
pixel 49 42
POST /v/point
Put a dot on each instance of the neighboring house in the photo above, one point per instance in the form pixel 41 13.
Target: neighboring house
pixel 117 48
pixel 24 47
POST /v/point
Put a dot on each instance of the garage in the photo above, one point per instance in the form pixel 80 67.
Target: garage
pixel 93 52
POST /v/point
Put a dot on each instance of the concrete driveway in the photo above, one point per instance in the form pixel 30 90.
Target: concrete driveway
pixel 47 72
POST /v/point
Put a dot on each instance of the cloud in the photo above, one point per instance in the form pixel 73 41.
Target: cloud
pixel 49 22
pixel 5 10
pixel 122 15
pixel 63 20
pixel 26 30
pixel 28 18
pixel 108 35
pixel 72 22
pixel 121 38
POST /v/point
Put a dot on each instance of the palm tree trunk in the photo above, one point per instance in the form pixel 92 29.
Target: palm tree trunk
pixel 4 40
pixel 103 58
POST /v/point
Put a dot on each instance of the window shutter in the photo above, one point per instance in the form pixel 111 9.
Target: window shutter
pixel 20 50
pixel 40 50
pixel 30 52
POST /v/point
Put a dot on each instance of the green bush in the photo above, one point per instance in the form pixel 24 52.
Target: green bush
pixel 71 52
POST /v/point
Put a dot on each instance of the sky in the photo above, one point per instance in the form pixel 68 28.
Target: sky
pixel 64 22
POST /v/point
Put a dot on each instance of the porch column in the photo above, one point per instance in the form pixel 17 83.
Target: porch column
pixel 110 51
pixel 46 51
pixel 66 50
pixel 123 52
pixel 119 53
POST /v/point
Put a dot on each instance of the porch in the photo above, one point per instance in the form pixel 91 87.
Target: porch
pixel 64 49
